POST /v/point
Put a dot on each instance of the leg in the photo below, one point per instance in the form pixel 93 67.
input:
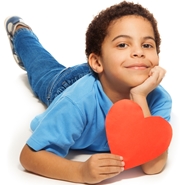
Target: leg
pixel 47 77
pixel 39 64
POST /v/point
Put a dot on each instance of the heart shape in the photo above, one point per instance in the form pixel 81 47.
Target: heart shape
pixel 134 137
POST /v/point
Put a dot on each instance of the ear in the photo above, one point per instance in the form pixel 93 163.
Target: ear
pixel 95 63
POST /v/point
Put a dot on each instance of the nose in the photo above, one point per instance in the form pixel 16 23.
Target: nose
pixel 137 52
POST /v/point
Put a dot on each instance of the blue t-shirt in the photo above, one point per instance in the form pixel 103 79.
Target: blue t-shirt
pixel 76 118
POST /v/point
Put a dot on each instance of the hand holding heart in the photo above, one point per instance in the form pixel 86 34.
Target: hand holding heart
pixel 134 137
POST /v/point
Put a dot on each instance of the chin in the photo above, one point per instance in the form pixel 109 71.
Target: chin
pixel 138 82
pixel 138 79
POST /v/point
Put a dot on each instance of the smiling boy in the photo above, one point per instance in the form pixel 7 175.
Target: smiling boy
pixel 122 47
pixel 128 56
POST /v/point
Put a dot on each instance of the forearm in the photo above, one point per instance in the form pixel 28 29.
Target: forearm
pixel 96 169
pixel 142 102
pixel 156 165
pixel 50 165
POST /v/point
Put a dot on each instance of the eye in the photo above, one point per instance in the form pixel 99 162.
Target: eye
pixel 122 45
pixel 147 46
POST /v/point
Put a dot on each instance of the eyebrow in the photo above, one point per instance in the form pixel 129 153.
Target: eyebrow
pixel 127 36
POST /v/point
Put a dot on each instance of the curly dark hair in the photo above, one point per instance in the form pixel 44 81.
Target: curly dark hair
pixel 97 29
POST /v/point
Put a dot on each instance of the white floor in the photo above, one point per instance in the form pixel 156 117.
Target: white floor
pixel 61 26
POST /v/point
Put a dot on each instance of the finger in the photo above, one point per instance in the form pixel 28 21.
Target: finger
pixel 110 156
pixel 111 170
pixel 110 166
pixel 157 74
pixel 160 76
pixel 105 175
pixel 161 71
pixel 111 162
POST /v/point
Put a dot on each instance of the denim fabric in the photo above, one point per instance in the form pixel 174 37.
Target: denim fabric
pixel 47 77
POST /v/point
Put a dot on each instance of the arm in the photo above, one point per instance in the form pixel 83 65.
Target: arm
pixel 97 168
pixel 138 95
pixel 155 166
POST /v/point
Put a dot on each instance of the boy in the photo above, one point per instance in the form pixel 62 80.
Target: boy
pixel 122 47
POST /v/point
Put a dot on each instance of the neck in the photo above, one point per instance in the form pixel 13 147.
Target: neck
pixel 115 90
pixel 116 94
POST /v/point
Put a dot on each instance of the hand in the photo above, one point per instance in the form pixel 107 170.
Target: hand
pixel 101 166
pixel 155 77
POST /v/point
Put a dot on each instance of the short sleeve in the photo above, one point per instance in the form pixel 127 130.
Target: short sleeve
pixel 57 129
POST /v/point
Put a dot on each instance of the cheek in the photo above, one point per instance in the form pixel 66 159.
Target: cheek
pixel 155 60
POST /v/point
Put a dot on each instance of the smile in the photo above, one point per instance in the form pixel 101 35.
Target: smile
pixel 138 67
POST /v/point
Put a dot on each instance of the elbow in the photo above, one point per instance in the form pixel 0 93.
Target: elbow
pixel 156 165
pixel 152 170
pixel 24 157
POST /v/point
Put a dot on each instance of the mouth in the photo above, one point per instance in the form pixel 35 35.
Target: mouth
pixel 138 66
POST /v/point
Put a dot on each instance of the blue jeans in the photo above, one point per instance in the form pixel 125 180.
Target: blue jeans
pixel 47 77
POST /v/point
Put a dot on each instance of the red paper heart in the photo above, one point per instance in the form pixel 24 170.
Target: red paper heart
pixel 134 137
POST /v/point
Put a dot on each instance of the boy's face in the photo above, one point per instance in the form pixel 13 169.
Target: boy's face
pixel 128 53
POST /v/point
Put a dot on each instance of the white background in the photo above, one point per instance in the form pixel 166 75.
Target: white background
pixel 61 27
